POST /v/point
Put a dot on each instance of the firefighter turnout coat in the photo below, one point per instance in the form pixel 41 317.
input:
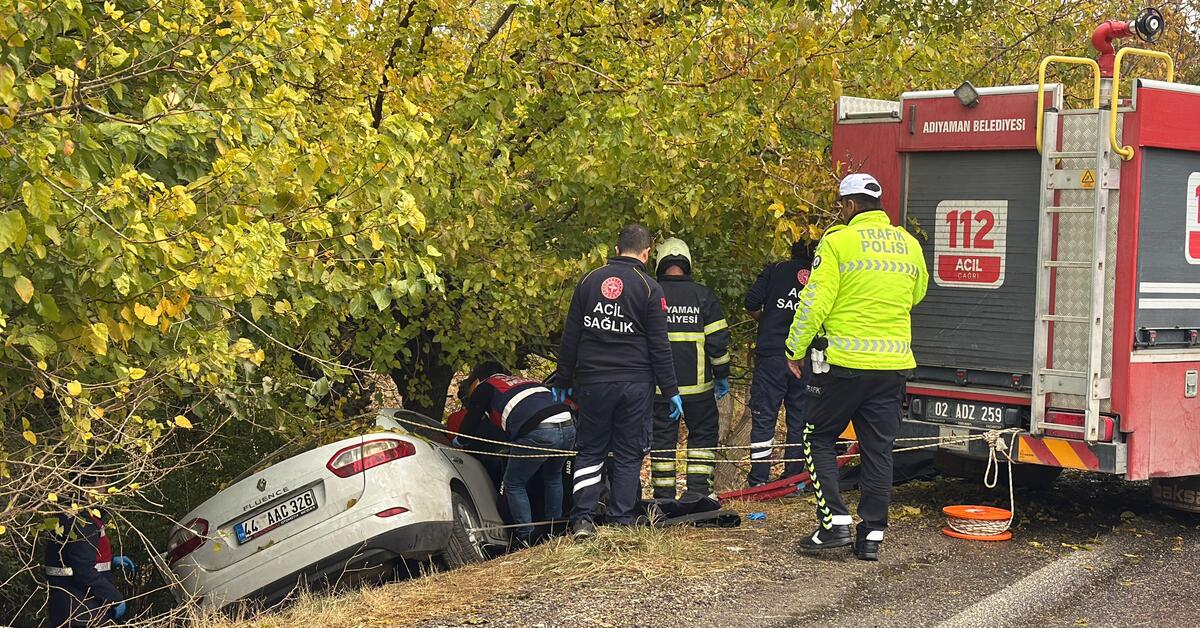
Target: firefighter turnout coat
pixel 866 277
pixel 698 333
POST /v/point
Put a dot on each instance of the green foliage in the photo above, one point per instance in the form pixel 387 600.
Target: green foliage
pixel 226 213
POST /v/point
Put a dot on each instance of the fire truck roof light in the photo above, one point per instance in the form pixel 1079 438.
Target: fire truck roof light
pixel 967 94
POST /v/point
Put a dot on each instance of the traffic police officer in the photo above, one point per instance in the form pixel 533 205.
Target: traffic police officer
pixel 772 301
pixel 854 323
pixel 79 563
pixel 699 338
pixel 614 350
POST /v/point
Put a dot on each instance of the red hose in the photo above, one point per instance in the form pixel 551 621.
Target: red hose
pixel 783 486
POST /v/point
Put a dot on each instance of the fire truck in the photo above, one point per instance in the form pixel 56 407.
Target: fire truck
pixel 1064 254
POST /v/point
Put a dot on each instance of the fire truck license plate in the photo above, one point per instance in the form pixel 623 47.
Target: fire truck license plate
pixel 974 413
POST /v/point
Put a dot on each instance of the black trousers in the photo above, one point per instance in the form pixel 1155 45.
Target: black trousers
pixel 774 385
pixel 703 424
pixel 614 418
pixel 871 400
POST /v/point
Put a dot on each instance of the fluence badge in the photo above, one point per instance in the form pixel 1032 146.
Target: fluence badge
pixel 262 485
pixel 802 275
pixel 612 288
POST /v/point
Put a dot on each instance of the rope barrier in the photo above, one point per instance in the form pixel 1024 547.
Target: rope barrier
pixel 567 453
pixel 564 453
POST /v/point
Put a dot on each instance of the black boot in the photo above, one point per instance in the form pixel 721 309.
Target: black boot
pixel 583 529
pixel 866 544
pixel 826 538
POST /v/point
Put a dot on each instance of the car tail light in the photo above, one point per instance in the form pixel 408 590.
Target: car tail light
pixel 358 458
pixel 187 539
pixel 391 512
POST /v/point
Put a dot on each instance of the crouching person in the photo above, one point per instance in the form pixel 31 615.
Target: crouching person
pixel 526 413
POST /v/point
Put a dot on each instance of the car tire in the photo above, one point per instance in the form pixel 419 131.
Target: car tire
pixel 1031 476
pixel 464 547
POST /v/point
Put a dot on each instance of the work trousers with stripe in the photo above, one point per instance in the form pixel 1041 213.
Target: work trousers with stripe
pixel 872 401
pixel 774 385
pixel 613 418
pixel 703 423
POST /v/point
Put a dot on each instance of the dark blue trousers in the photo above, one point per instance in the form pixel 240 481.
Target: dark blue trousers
pixel 614 418
pixel 774 385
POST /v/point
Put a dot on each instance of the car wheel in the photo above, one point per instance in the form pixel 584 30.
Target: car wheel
pixel 465 546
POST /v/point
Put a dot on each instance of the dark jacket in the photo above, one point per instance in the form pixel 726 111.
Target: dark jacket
pixel 616 330
pixel 513 405
pixel 79 572
pixel 777 292
pixel 698 333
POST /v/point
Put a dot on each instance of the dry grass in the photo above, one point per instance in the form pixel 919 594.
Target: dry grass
pixel 652 555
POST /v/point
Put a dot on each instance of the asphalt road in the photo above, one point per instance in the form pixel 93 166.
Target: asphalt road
pixel 1090 551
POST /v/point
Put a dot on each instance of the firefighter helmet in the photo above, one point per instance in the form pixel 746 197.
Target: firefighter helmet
pixel 673 250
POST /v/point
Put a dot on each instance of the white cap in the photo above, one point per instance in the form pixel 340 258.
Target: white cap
pixel 861 183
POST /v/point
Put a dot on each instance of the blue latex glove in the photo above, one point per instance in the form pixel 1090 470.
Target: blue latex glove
pixel 722 387
pixel 561 394
pixel 676 407
pixel 119 611
pixel 124 562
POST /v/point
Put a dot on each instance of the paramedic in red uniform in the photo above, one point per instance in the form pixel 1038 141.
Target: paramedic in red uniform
pixel 524 411
pixel 79 563
pixel 614 350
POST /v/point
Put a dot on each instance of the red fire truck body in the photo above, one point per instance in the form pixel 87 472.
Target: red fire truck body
pixel 1064 295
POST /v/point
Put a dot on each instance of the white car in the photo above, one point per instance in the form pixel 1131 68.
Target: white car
pixel 316 513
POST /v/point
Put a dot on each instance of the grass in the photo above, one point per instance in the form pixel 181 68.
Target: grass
pixel 652 555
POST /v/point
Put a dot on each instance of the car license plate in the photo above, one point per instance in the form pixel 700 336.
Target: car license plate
pixel 262 523
pixel 966 412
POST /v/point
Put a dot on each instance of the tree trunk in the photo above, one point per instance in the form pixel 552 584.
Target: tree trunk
pixel 425 382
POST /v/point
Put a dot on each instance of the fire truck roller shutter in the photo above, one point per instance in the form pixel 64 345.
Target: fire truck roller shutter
pixel 978 315
pixel 1169 243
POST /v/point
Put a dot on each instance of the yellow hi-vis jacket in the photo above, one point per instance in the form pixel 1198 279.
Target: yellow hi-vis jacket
pixel 866 278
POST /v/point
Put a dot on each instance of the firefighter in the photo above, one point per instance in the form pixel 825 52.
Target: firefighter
pixel 614 350
pixel 523 412
pixel 853 322
pixel 772 301
pixel 79 563
pixel 699 338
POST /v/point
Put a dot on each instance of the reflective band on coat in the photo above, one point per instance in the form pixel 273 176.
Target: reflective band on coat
pixel 663 481
pixel 561 417
pixel 879 266
pixel 105 566
pixel 64 572
pixel 871 345
pixel 662 466
pixel 580 485
pixel 582 471
pixel 715 327
pixel 512 403
pixel 721 360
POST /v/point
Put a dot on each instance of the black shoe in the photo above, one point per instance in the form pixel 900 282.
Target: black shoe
pixel 866 549
pixel 827 538
pixel 583 529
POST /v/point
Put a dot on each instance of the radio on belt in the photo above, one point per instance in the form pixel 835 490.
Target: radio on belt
pixel 1063 239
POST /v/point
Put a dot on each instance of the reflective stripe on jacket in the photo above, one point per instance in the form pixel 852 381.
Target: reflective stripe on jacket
pixel 866 278
pixel 698 332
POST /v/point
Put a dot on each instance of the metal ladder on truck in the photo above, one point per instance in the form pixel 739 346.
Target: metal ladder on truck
pixel 1096 177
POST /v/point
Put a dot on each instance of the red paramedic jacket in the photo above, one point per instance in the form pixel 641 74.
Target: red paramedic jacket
pixel 507 406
